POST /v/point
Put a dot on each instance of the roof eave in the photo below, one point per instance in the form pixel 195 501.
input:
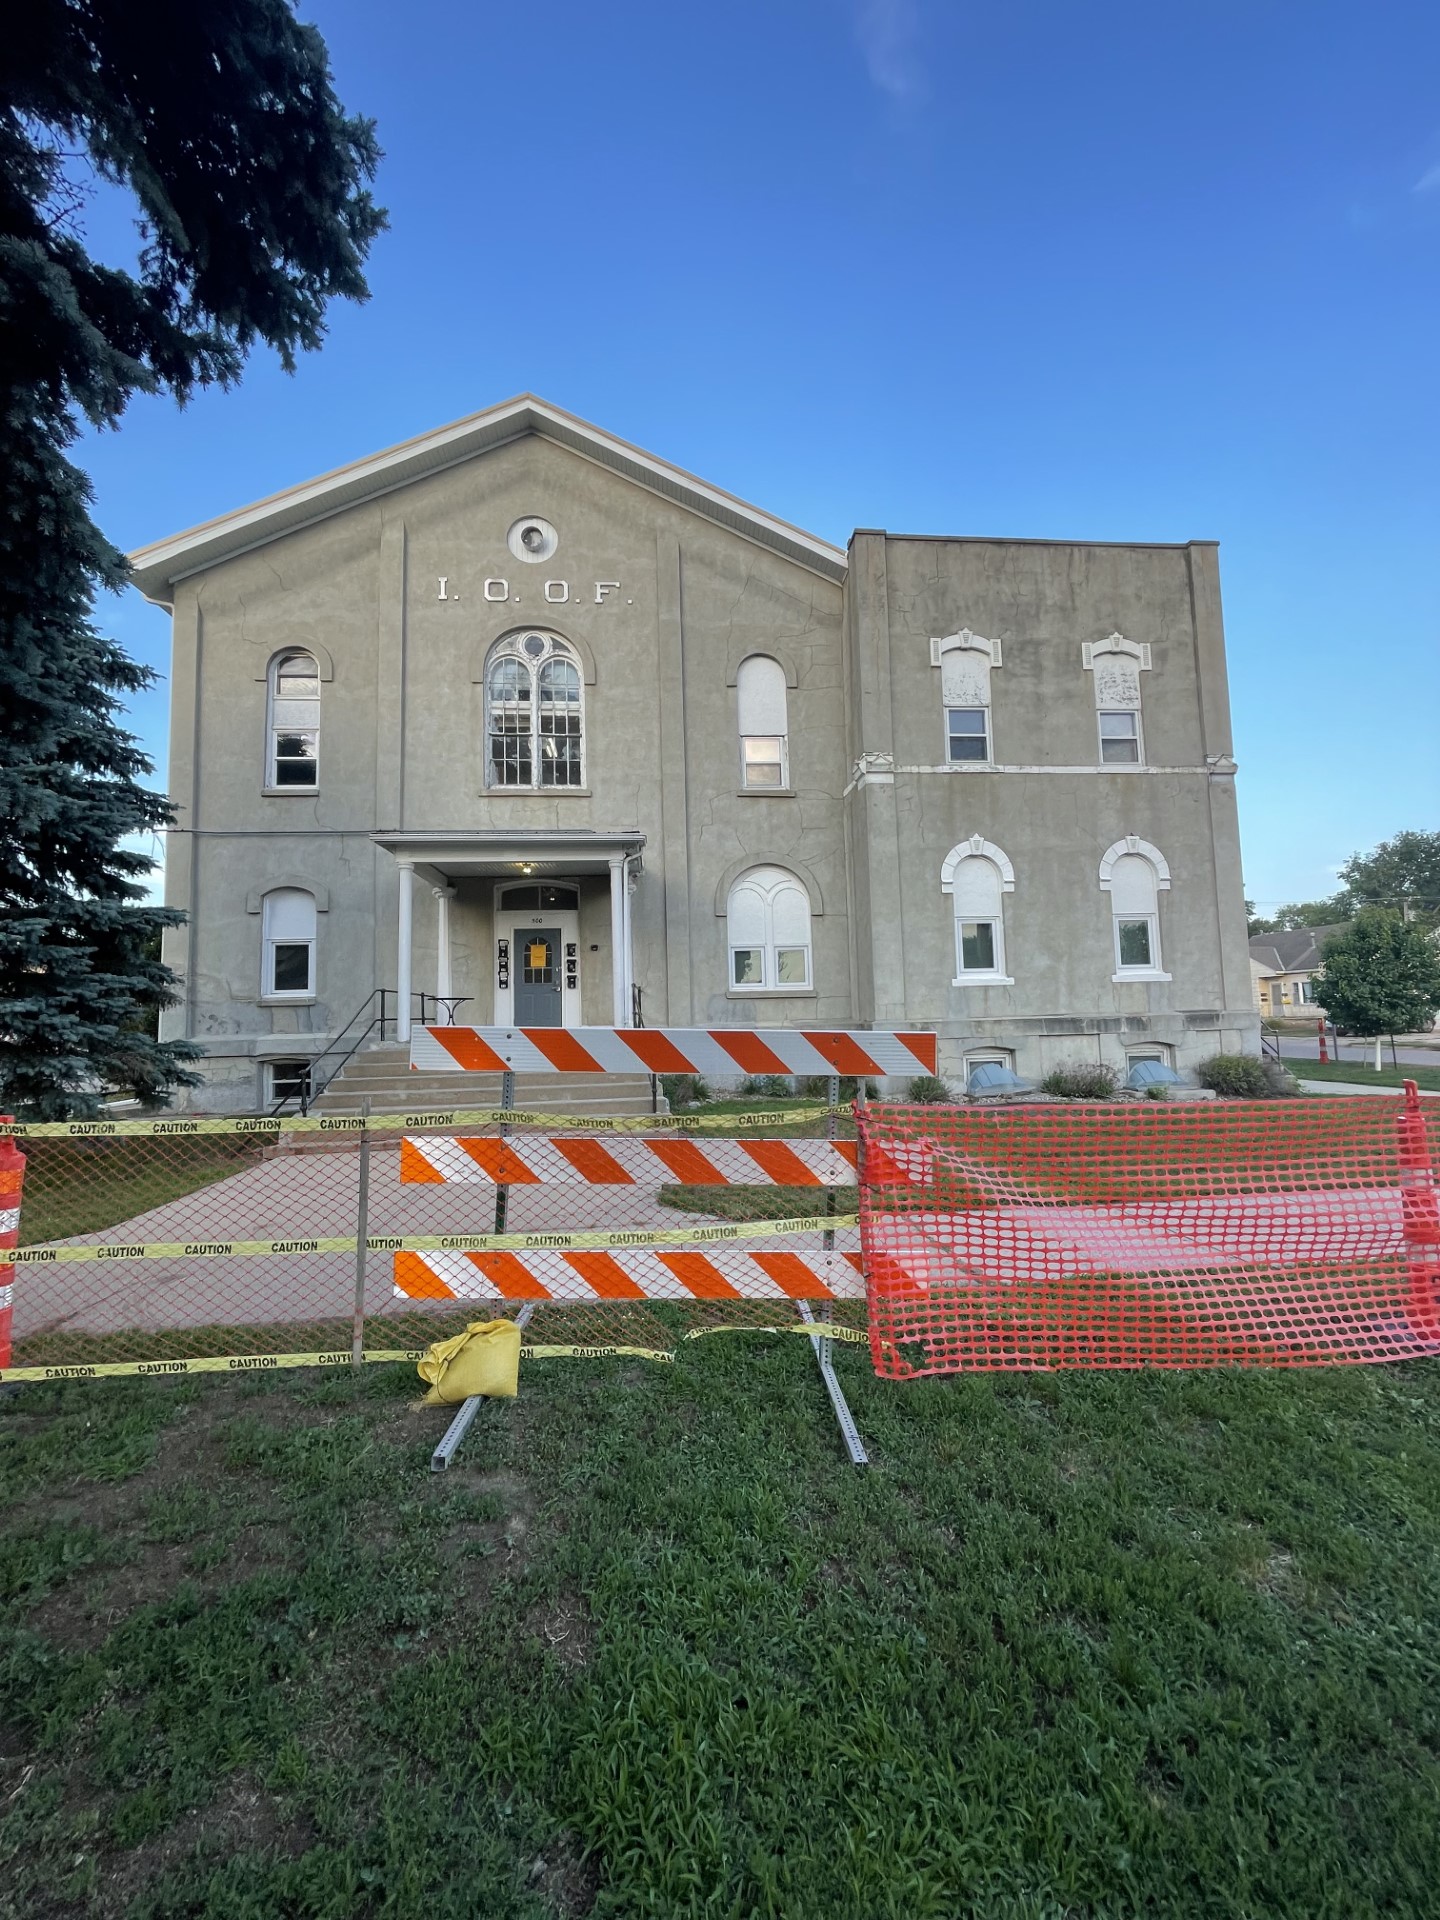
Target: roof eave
pixel 157 568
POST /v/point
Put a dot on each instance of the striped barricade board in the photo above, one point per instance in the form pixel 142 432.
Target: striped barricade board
pixel 618 1161
pixel 639 1273
pixel 715 1050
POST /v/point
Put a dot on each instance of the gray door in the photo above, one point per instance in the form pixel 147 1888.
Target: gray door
pixel 537 977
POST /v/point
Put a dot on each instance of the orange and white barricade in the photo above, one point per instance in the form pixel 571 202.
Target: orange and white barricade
pixel 802 1052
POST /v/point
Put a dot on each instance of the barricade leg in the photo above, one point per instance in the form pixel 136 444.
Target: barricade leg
pixel 362 1229
pixel 820 1344
pixel 12 1179
pixel 1420 1206
pixel 460 1425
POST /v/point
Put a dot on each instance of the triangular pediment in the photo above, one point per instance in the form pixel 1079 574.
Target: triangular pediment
pixel 157 567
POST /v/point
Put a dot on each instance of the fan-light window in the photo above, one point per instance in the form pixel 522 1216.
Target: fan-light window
pixel 288 930
pixel 768 926
pixel 534 714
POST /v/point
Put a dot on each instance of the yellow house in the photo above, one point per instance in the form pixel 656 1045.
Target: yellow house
pixel 1283 967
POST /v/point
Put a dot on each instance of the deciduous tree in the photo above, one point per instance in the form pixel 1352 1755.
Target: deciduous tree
pixel 1380 976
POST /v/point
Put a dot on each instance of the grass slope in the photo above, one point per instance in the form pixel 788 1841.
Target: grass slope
pixel 1099 1646
pixel 1426 1078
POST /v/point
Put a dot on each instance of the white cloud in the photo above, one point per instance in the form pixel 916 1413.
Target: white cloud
pixel 888 32
pixel 1429 181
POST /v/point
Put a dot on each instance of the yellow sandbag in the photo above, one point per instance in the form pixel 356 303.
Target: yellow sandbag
pixel 485 1358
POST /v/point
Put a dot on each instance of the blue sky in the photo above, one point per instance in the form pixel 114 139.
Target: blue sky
pixel 1118 272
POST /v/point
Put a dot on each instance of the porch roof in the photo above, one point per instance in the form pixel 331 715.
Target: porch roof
pixel 507 853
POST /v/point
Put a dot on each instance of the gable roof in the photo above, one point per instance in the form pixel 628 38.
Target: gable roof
pixel 1298 951
pixel 158 566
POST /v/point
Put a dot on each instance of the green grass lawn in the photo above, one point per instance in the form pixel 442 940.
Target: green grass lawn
pixel 1074 1646
pixel 1426 1078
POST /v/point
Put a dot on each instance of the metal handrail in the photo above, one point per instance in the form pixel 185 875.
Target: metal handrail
pixel 311 1088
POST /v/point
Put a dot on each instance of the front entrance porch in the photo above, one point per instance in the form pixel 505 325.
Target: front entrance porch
pixel 536 956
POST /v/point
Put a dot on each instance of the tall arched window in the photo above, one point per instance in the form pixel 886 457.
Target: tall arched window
pixel 293 733
pixel 767 922
pixel 534 719
pixel 764 728
pixel 1135 874
pixel 977 875
pixel 287 967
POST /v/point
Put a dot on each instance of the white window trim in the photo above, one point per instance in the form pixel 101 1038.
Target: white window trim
pixel 977 847
pixel 270 785
pixel 784 786
pixel 987 759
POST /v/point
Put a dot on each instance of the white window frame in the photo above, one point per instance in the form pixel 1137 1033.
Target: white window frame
pixel 770 983
pixel 984 759
pixel 1102 714
pixel 977 847
pixel 512 646
pixel 1149 1050
pixel 1154 969
pixel 781 740
pixel 272 783
pixel 270 942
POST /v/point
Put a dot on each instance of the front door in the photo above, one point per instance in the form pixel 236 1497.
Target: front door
pixel 537 977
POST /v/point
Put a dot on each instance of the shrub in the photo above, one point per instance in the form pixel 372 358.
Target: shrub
pixel 1279 1080
pixel 1234 1076
pixel 767 1086
pixel 1081 1080
pixel 684 1089
pixel 926 1091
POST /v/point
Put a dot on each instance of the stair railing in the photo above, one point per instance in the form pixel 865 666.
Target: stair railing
pixel 364 1022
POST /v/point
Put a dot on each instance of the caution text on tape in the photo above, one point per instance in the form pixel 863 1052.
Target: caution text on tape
pixel 215 1363
pixel 437 1242
pixel 380 1123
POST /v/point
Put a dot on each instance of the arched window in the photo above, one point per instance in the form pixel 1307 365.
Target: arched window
pixel 977 875
pixel 768 930
pixel 965 660
pixel 764 729
pixel 287 967
pixel 1135 874
pixel 533 715
pixel 293 733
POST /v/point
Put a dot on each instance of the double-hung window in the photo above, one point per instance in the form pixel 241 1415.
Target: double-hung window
pixel 287 970
pixel 967 733
pixel 1119 737
pixel 977 876
pixel 1134 883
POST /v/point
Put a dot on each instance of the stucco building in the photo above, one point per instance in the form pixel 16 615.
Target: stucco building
pixel 518 715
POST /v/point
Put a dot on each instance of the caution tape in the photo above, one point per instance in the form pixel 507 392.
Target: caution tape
pixel 594 1353
pixel 824 1329
pixel 218 1363
pixel 401 1122
pixel 435 1242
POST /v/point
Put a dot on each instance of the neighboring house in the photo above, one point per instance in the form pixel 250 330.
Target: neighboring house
pixel 1282 966
pixel 520 715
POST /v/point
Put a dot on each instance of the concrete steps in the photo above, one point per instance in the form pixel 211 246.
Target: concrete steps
pixel 383 1076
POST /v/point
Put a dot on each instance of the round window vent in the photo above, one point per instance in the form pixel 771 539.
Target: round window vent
pixel 532 538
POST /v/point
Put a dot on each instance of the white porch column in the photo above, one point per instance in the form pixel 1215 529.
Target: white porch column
pixel 402 957
pixel 629 946
pixel 443 897
pixel 619 972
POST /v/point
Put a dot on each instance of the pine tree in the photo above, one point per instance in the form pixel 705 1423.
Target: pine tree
pixel 220 118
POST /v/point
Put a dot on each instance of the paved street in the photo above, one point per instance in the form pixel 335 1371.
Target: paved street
pixel 1410 1052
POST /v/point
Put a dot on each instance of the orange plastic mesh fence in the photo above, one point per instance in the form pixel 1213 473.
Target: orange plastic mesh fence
pixel 175 1244
pixel 1279 1234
